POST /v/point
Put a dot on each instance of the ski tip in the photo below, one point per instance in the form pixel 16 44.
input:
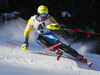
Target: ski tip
pixel 90 64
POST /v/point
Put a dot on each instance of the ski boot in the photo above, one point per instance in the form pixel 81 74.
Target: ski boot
pixel 58 52
pixel 83 59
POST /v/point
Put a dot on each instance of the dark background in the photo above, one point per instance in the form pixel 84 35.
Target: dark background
pixel 85 14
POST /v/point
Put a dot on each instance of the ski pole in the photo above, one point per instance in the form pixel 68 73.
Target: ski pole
pixel 52 46
pixel 12 43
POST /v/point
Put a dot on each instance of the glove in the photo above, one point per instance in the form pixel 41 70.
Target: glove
pixel 24 46
pixel 53 26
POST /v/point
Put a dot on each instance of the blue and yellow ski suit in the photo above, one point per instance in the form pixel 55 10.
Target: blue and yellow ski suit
pixel 42 28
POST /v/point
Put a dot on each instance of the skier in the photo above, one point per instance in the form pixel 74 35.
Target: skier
pixel 43 23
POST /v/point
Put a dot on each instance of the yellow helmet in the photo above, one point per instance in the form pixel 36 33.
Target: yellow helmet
pixel 42 9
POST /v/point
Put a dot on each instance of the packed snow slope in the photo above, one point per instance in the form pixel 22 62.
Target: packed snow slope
pixel 14 61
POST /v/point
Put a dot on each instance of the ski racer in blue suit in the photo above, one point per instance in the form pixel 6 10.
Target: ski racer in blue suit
pixel 42 23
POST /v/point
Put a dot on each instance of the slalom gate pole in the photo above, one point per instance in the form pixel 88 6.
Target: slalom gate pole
pixel 12 43
pixel 82 31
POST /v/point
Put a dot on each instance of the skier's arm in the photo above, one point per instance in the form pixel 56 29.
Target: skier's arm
pixel 54 25
pixel 28 29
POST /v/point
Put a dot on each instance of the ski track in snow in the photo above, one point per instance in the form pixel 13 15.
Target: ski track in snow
pixel 14 61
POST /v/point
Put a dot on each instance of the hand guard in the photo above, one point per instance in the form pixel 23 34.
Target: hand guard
pixel 53 26
pixel 24 46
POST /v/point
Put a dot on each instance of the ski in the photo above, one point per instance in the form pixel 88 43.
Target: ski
pixel 89 63
pixel 58 58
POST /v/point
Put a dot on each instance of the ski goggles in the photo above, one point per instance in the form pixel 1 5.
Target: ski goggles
pixel 43 15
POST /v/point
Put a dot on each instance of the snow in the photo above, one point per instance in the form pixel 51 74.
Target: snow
pixel 14 61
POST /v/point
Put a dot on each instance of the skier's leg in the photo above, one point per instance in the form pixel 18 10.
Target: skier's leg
pixel 68 50
pixel 71 51
pixel 42 41
pixel 36 39
pixel 47 44
pixel 47 38
pixel 74 53
pixel 51 38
